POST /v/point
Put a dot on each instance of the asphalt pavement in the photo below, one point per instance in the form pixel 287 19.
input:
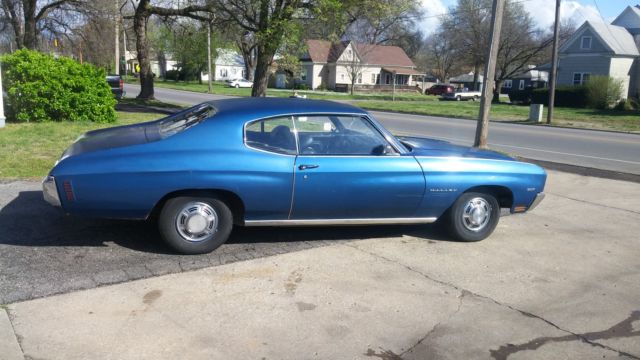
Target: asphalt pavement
pixel 606 150
pixel 560 282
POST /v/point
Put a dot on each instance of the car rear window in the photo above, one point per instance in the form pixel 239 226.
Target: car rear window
pixel 185 119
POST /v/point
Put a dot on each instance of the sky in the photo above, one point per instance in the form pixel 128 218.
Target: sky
pixel 541 10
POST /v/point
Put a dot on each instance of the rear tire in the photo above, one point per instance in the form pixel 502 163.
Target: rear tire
pixel 458 98
pixel 237 86
pixel 473 216
pixel 195 225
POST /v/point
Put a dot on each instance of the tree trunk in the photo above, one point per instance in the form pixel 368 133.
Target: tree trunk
pixel 262 73
pixel 496 92
pixel 30 31
pixel 476 76
pixel 142 47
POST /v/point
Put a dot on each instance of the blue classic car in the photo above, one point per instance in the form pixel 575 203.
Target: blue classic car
pixel 284 162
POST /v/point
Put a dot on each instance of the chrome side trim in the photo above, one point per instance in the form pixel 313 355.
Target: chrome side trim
pixel 317 222
pixel 50 191
pixel 536 201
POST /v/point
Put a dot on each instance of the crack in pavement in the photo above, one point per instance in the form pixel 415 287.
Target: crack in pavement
pixel 463 293
pixel 620 330
pixel 580 337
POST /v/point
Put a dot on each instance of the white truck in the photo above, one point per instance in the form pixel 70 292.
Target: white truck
pixel 462 94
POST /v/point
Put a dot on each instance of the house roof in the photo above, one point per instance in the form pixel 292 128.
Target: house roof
pixel 616 38
pixel 401 70
pixel 229 57
pixel 322 51
pixel 465 78
pixel 629 18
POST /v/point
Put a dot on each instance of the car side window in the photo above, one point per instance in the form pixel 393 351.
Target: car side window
pixel 273 135
pixel 339 135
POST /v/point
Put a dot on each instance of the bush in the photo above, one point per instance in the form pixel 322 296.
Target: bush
pixel 566 96
pixel 521 96
pixel 172 75
pixel 626 105
pixel 43 88
pixel 603 92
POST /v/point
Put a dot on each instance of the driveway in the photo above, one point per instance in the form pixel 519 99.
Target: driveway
pixel 560 282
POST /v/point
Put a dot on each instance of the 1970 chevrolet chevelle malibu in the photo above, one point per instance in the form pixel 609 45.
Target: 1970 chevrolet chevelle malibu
pixel 284 162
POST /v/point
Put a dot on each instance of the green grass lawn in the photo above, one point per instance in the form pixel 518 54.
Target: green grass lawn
pixel 578 118
pixel 220 88
pixel 29 150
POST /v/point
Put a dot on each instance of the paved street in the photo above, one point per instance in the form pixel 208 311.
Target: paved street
pixel 596 149
pixel 560 282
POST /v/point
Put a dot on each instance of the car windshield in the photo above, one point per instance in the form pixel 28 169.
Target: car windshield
pixel 185 119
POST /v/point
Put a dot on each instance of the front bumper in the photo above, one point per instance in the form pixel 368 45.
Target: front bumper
pixel 50 191
pixel 536 201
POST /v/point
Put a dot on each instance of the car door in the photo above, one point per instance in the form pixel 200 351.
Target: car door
pixel 346 169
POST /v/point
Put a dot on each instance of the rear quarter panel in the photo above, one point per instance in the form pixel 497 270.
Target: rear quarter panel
pixel 127 182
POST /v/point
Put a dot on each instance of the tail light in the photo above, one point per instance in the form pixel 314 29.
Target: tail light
pixel 121 84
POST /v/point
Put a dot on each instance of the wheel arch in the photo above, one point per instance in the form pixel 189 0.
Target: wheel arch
pixel 235 203
pixel 503 194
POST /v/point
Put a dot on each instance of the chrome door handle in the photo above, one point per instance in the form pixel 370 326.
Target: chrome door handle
pixel 305 167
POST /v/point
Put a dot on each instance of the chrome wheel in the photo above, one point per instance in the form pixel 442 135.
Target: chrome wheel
pixel 197 221
pixel 476 214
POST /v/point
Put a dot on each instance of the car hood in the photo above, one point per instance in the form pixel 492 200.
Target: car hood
pixel 114 137
pixel 432 147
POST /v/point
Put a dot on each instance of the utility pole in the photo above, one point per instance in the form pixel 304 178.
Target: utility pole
pixel 554 65
pixel 210 75
pixel 482 130
pixel 116 19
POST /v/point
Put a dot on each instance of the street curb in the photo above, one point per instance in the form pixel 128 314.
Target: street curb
pixel 9 346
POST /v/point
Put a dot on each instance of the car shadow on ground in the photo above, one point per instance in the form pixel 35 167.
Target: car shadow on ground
pixel 29 221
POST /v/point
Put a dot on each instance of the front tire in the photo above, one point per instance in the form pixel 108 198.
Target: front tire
pixel 473 216
pixel 237 86
pixel 195 225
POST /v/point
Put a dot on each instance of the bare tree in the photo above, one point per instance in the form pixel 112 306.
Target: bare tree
pixel 267 21
pixel 25 16
pixel 441 55
pixel 143 10
pixel 355 60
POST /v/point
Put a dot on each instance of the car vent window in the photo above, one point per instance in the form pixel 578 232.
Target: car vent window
pixel 185 119
pixel 272 135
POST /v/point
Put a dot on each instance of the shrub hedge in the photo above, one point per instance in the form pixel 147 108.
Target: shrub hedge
pixel 566 96
pixel 41 87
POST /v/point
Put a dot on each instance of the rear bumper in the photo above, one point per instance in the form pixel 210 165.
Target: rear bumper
pixel 536 201
pixel 50 191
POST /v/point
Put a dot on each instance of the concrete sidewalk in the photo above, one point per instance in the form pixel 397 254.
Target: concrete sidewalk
pixel 560 282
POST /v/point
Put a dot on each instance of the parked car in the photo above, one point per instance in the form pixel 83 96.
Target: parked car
pixel 462 94
pixel 284 162
pixel 117 85
pixel 439 89
pixel 240 83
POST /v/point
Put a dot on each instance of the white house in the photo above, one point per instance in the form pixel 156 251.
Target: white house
pixel 229 65
pixel 333 65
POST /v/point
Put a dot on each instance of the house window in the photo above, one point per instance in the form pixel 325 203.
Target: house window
pixel 585 43
pixel 303 75
pixel 359 78
pixel 223 72
pixel 342 77
pixel 521 85
pixel 580 78
pixel 373 78
pixel 387 79
pixel 508 84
